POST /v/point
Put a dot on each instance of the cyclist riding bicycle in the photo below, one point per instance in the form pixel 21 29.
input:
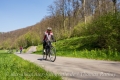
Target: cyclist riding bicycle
pixel 21 49
pixel 48 36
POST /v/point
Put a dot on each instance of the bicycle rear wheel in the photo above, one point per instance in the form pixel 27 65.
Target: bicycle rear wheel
pixel 52 54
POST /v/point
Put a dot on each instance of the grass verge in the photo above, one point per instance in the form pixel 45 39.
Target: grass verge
pixel 13 67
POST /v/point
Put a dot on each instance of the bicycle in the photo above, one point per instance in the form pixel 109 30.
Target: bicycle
pixel 20 51
pixel 49 51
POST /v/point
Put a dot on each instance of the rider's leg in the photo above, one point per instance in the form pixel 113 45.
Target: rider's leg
pixel 44 44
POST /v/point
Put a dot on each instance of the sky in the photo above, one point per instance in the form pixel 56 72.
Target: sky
pixel 16 14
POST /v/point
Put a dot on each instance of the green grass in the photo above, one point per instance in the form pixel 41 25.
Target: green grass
pixel 93 54
pixel 8 51
pixel 74 47
pixel 13 67
pixel 3 51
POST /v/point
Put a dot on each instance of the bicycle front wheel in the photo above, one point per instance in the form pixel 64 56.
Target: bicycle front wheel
pixel 52 54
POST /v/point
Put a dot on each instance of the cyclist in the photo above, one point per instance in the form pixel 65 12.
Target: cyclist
pixel 21 49
pixel 48 36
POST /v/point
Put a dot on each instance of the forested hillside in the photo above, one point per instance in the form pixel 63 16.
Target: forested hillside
pixel 97 20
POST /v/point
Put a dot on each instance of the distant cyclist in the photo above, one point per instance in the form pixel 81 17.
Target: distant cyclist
pixel 48 36
pixel 21 49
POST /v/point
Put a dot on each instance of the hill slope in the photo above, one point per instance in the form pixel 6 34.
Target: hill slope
pixel 77 47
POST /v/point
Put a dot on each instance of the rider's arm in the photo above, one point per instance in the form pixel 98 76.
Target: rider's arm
pixel 53 38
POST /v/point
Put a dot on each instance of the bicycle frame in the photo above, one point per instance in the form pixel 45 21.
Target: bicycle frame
pixel 48 49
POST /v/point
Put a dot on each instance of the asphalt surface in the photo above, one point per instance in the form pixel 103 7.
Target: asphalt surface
pixel 76 68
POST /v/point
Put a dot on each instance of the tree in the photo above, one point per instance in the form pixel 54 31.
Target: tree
pixel 114 5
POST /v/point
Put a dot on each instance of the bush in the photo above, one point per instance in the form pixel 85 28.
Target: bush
pixel 78 29
pixel 107 31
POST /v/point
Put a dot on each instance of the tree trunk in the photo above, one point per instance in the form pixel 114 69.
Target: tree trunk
pixel 84 7
pixel 114 5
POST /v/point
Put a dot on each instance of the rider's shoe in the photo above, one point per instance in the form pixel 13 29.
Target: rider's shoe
pixel 44 50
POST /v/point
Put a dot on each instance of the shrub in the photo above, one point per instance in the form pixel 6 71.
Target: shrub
pixel 107 31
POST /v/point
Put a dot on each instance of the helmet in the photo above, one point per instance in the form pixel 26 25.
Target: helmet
pixel 49 28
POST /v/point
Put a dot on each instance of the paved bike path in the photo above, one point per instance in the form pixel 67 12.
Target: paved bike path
pixel 76 68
